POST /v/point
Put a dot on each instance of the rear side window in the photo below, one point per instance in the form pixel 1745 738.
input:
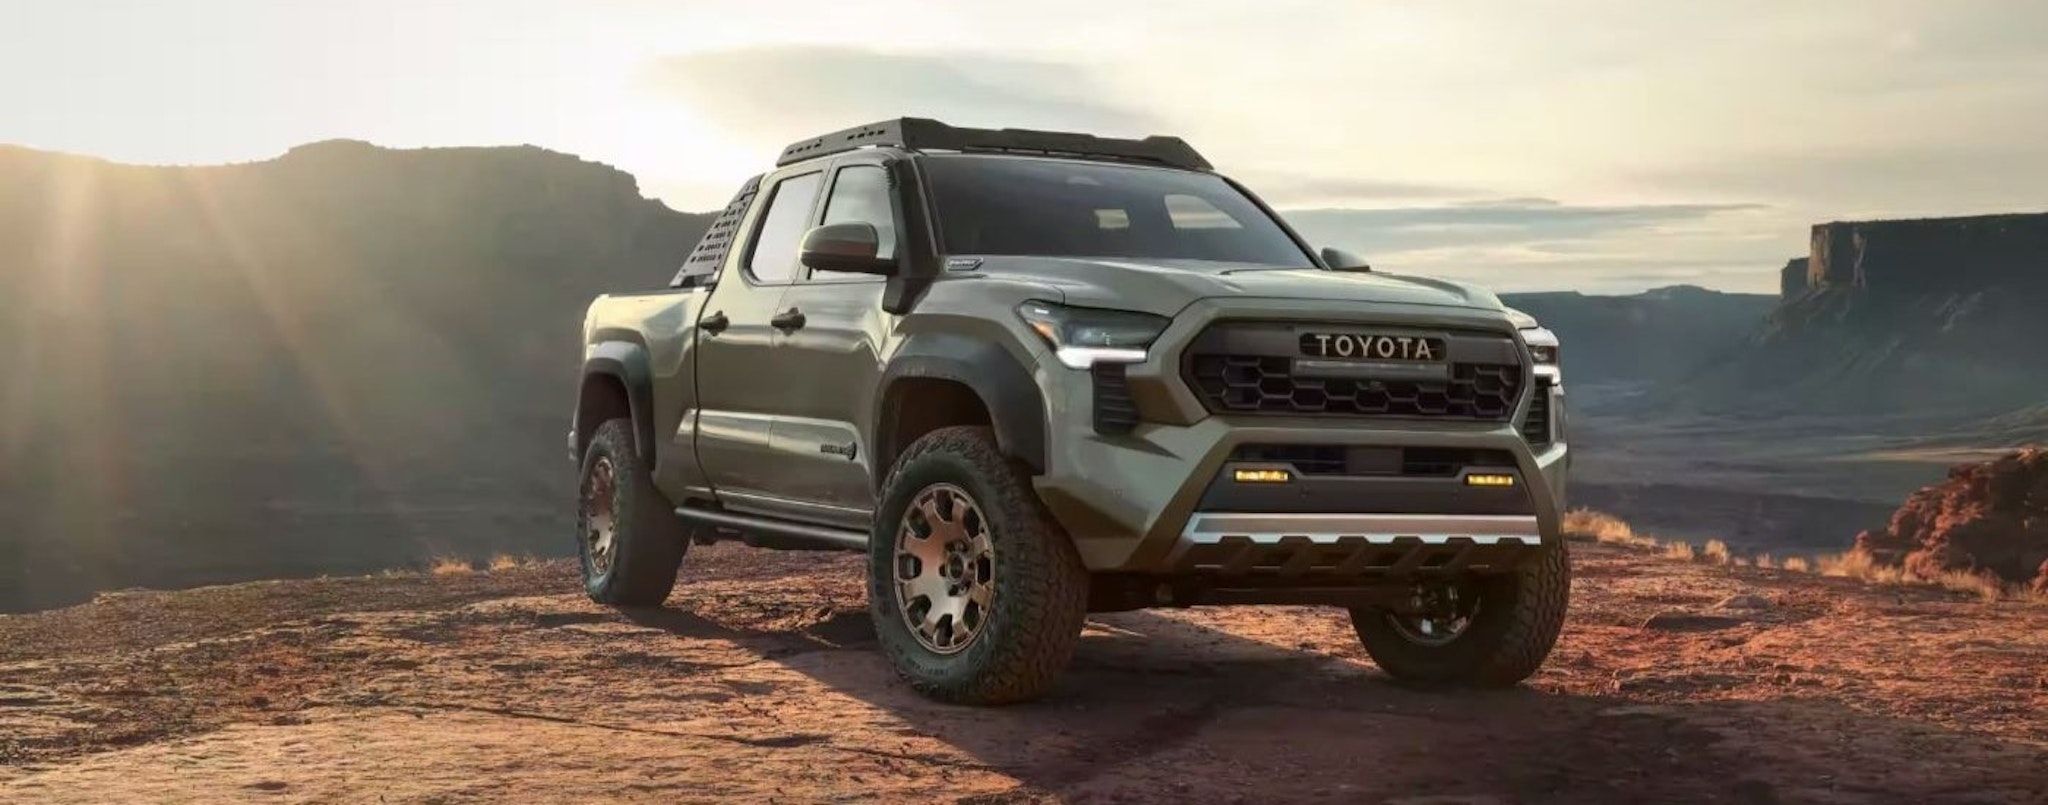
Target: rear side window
pixel 789 214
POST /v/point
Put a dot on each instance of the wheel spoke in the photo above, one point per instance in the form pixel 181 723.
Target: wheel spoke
pixel 928 585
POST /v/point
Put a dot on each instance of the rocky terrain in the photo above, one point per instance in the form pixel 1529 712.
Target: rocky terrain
pixel 759 681
pixel 338 360
pixel 1989 517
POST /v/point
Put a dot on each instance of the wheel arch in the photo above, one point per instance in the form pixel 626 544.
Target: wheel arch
pixel 1008 397
pixel 617 380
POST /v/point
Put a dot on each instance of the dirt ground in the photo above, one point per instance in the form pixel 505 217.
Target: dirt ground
pixel 759 682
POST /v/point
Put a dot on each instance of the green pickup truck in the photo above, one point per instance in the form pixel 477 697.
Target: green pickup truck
pixel 1034 375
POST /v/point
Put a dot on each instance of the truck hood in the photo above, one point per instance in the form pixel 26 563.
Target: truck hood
pixel 1167 286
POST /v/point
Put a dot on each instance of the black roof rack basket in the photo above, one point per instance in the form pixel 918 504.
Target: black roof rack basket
pixel 920 134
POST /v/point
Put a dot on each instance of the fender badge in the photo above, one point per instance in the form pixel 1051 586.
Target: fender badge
pixel 962 263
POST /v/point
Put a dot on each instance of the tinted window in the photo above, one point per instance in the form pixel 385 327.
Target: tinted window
pixel 782 227
pixel 861 193
pixel 1065 208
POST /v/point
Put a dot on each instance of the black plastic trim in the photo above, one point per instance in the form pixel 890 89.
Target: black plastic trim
pixel 1014 404
pixel 1235 559
pixel 768 532
pixel 700 269
pixel 1536 425
pixel 628 363
pixel 1115 413
pixel 916 243
pixel 918 134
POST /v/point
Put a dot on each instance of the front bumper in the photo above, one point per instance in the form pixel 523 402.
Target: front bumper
pixel 1135 503
pixel 1351 546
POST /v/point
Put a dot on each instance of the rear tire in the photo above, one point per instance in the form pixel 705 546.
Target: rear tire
pixel 954 487
pixel 628 537
pixel 1505 640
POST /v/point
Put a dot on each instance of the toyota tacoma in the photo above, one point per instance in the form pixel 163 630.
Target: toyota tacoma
pixel 1034 375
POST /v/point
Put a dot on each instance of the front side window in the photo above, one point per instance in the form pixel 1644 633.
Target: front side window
pixel 782 228
pixel 997 205
pixel 861 193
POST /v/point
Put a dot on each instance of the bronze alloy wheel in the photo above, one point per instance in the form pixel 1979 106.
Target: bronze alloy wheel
pixel 945 569
pixel 600 515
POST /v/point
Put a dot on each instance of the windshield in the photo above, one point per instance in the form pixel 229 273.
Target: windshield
pixel 996 205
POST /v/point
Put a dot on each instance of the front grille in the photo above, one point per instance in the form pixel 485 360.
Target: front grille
pixel 1536 427
pixel 1352 460
pixel 1262 384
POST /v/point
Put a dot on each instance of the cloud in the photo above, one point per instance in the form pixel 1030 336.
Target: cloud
pixel 1301 190
pixel 1519 244
pixel 788 92
pixel 1502 221
pixel 1894 181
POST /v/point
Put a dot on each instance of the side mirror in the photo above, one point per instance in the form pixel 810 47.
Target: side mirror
pixel 1340 260
pixel 853 247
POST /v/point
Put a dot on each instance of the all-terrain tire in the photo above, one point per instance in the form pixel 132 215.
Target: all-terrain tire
pixel 1040 588
pixel 648 541
pixel 1517 623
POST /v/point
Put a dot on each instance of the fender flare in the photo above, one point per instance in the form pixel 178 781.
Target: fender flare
pixel 1016 407
pixel 629 364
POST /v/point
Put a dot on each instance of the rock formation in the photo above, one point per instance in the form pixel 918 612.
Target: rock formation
pixel 1898 317
pixel 1657 335
pixel 1792 279
pixel 1990 516
pixel 341 359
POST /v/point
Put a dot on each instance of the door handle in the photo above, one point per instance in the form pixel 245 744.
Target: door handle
pixel 791 319
pixel 714 323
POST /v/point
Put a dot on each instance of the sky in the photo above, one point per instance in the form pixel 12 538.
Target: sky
pixel 1597 145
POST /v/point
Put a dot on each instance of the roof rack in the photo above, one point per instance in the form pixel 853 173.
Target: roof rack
pixel 919 134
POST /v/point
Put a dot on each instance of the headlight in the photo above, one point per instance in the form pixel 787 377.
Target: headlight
pixel 1082 337
pixel 1542 345
pixel 1542 342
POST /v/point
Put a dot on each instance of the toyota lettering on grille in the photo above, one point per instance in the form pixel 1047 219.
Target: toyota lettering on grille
pixel 1373 347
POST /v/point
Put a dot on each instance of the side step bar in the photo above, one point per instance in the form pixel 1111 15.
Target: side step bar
pixel 765 532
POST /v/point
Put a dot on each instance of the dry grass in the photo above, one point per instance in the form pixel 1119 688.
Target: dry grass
pixel 1860 565
pixel 506 561
pixel 449 566
pixel 1586 524
pixel 1602 527
pixel 1983 585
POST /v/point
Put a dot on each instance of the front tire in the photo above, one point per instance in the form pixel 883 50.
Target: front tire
pixel 1506 627
pixel 629 540
pixel 976 593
